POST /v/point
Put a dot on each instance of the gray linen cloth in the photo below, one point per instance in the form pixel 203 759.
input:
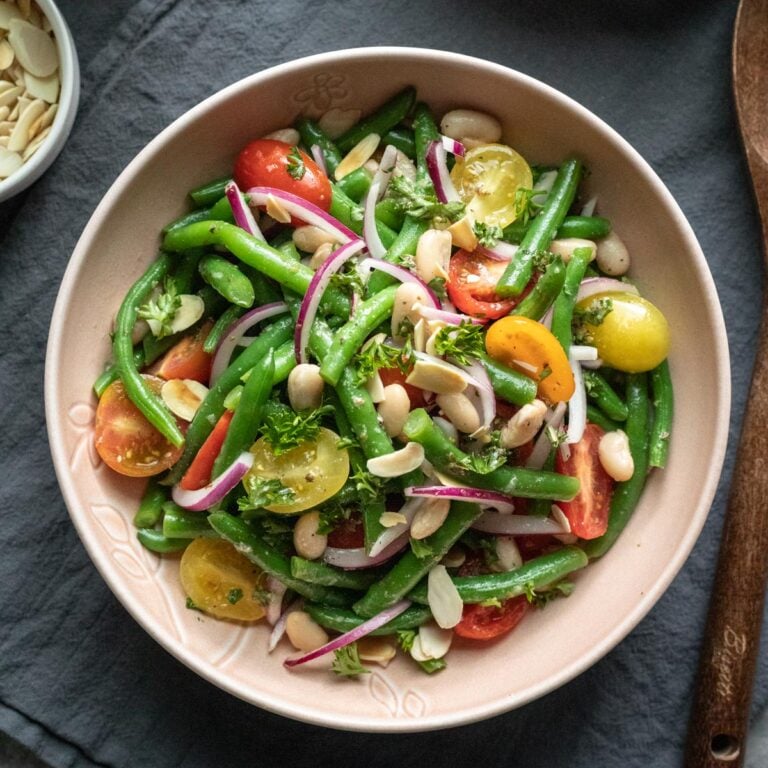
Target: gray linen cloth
pixel 80 683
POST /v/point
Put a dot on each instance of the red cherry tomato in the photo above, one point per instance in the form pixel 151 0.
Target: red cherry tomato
pixel 485 622
pixel 199 473
pixel 348 534
pixel 588 512
pixel 270 163
pixel 187 359
pixel 472 279
pixel 396 376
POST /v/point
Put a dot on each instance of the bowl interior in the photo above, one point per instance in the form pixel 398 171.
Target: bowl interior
pixel 551 646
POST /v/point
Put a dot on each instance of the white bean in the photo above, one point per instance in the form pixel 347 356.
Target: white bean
pixel 524 425
pixel 309 238
pixel 612 255
pixel 567 245
pixel 468 123
pixel 460 411
pixel 287 135
pixel 433 252
pixel 394 409
pixel 305 387
pixel 406 296
pixel 306 540
pixel 615 455
pixel 303 632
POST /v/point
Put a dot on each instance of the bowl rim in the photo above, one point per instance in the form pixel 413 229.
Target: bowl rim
pixel 315 715
pixel 69 99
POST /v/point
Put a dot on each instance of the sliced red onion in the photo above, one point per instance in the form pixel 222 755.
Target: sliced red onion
pixel 403 275
pixel 589 206
pixel 593 285
pixel 583 353
pixel 379 620
pixel 543 187
pixel 543 444
pixel 234 335
pixel 390 536
pixel 517 525
pixel 304 210
pixel 217 489
pixel 577 405
pixel 319 158
pixel 502 251
pixel 314 295
pixel 484 498
pixel 450 318
pixel 244 217
pixel 276 592
pixel 438 171
pixel 453 146
pixel 443 598
pixel 376 248
pixel 356 558
pixel 592 364
pixel 484 390
pixel 279 629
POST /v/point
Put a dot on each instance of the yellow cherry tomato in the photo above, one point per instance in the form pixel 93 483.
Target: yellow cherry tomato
pixel 633 336
pixel 488 178
pixel 530 348
pixel 314 471
pixel 221 581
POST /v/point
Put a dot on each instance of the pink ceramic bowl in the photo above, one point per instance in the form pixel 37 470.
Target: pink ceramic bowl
pixel 552 646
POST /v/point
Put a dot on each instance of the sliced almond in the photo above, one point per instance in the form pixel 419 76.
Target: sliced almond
pixel 48 115
pixel 375 387
pixel 189 312
pixel 436 376
pixel 4 141
pixel 276 210
pixel 429 517
pixel 20 134
pixel 183 397
pixel 9 95
pixel 45 88
pixel 357 156
pixel 6 54
pixel 6 85
pixel 435 641
pixel 8 12
pixel 286 135
pixel 389 519
pixel 443 597
pixel 35 144
pixel 397 463
pixel 376 650
pixel 21 104
pixel 463 234
pixel 9 162
pixel 6 126
pixel 34 49
pixel 4 112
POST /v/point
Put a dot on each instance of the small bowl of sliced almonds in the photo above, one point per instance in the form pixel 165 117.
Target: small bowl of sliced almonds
pixel 39 90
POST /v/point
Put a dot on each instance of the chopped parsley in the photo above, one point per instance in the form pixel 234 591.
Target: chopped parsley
pixel 487 234
pixel 378 355
pixel 525 205
pixel 595 313
pixel 547 595
pixel 295 165
pixel 437 284
pixel 348 280
pixel 463 342
pixel 286 429
pixel 234 596
pixel 346 661
pixel 418 199
pixel 491 457
pixel 263 492
pixel 330 517
pixel 420 548
pixel 192 605
pixel 161 310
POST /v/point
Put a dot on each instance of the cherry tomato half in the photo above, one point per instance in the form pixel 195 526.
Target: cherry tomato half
pixel 588 511
pixel 472 279
pixel 485 622
pixel 124 438
pixel 270 163
pixel 187 359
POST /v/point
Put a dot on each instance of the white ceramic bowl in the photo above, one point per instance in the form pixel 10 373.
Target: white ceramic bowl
pixel 69 97
pixel 612 595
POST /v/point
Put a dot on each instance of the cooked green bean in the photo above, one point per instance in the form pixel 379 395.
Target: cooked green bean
pixel 403 139
pixel 225 278
pixel 220 327
pixel 180 524
pixel 562 309
pixel 404 245
pixel 388 212
pixel 150 510
pixel 328 576
pixel 543 507
pixel 156 541
pixel 201 214
pixel 340 620
pixel 508 384
pixel 425 130
pixel 663 410
pixel 382 120
pixel 604 396
pixel 210 192
pixel 586 227
pixel 546 290
pixel 350 214
pixel 111 374
pixel 312 134
pixel 596 416
pixel 355 184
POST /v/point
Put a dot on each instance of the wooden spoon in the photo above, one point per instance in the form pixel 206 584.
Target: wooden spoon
pixel 720 717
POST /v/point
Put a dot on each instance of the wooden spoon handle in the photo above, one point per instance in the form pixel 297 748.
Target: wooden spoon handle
pixel 720 716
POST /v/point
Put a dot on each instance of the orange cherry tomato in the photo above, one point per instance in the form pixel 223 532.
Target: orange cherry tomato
pixel 199 473
pixel 531 349
pixel 125 440
pixel 187 359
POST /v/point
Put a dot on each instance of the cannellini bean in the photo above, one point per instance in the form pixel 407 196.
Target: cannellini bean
pixel 309 238
pixel 567 245
pixel 429 517
pixel 306 540
pixel 460 411
pixel 524 424
pixel 436 376
pixel 468 123
pixel 615 455
pixel 406 296
pixel 287 135
pixel 320 256
pixel 463 234
pixel 612 255
pixel 394 409
pixel 305 387
pixel 433 252
pixel 303 632
pixel 397 463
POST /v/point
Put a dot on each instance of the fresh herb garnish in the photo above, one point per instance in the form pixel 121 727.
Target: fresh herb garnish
pixel 347 661
pixel 540 598
pixel 262 596
pixel 161 310
pixel 418 199
pixel 378 355
pixel 263 492
pixel 295 165
pixel 432 665
pixel 405 639
pixel 487 234
pixel 437 284
pixel 348 280
pixel 420 548
pixel 234 596
pixel 595 313
pixel 491 457
pixel 463 342
pixel 367 485
pixel 285 429
pixel 525 205
pixel 191 605
pixel 330 517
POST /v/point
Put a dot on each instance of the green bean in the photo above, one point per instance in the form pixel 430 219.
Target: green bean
pixel 543 507
pixel 155 541
pixel 425 130
pixel 213 405
pixel 285 362
pixel 136 388
pixel 250 544
pixel 535 574
pixel 150 510
pixel 508 384
pixel 340 620
pixel 312 134
pixel 562 309
pixel 152 348
pixel 220 327
pixel 663 409
pixel 368 316
pixel 404 245
pixel 350 214
pixel 225 278
pixel 111 374
pixel 355 184
pixel 403 139
pixel 222 210
pixel 248 414
pixel 180 524
pixel 388 212
pixel 513 481
pixel 586 227
pixel 548 286
pixel 539 235
pixel 596 416
pixel 406 573
pixel 382 120
pixel 201 214
pixel 210 192
pixel 627 493
pixel 328 576
pixel 604 396
pixel 256 253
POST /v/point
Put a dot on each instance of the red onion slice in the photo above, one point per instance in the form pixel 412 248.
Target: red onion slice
pixel 276 592
pixel 378 186
pixel 319 158
pixel 244 217
pixel 395 532
pixel 356 558
pixel 279 629
pixel 379 620
pixel 502 251
pixel 577 405
pixel 234 335
pixel 437 167
pixel 484 498
pixel 584 353
pixel 217 489
pixel 593 285
pixel 517 525
pixel 543 444
pixel 403 275
pixel 304 210
pixel 314 295
pixel 453 146
pixel 484 390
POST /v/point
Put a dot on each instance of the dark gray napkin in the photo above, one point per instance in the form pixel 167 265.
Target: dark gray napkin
pixel 80 683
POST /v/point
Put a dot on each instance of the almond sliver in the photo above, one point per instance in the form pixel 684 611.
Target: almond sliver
pixel 183 397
